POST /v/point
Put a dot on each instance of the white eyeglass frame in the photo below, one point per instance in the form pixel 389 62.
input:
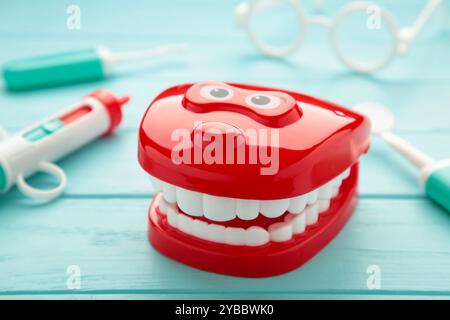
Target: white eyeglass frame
pixel 402 38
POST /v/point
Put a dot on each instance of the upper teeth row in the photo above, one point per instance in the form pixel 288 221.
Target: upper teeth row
pixel 225 209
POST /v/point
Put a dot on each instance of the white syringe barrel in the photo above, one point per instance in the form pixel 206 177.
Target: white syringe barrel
pixel 47 141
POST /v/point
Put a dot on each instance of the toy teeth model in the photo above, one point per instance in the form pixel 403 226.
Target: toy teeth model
pixel 253 181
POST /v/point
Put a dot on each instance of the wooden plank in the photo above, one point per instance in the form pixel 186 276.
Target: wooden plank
pixel 408 239
pixel 176 17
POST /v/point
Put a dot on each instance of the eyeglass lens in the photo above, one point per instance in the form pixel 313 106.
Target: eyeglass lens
pixel 364 38
pixel 275 26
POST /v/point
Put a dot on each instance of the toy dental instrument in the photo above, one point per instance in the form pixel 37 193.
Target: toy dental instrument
pixel 35 148
pixel 434 175
pixel 400 38
pixel 74 66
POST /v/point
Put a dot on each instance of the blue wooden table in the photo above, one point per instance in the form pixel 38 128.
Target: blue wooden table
pixel 99 225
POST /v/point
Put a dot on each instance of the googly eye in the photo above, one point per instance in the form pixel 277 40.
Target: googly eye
pixel 263 101
pixel 216 93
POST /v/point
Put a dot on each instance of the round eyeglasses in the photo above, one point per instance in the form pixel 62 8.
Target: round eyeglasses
pixel 364 35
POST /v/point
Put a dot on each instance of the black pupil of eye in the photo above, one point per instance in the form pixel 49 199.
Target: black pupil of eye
pixel 219 92
pixel 260 100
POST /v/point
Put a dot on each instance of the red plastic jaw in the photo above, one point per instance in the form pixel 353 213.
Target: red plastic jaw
pixel 309 142
pixel 314 141
pixel 264 261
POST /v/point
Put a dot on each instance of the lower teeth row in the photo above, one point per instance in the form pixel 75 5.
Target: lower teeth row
pixel 293 224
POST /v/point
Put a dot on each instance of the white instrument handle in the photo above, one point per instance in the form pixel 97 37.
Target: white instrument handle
pixel 407 150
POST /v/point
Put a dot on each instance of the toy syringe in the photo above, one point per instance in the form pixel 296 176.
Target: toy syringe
pixel 77 66
pixel 37 147
pixel 434 175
